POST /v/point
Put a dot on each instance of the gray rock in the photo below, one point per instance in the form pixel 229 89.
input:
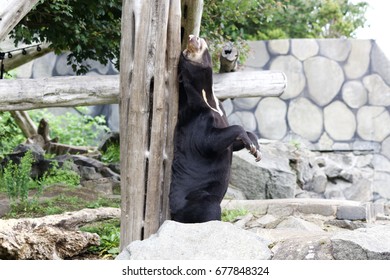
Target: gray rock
pixel 297 223
pixel 279 46
pixel 272 177
pixel 305 119
pixel 205 241
pixel 244 118
pixel 304 48
pixel 319 72
pixel 335 49
pixel 293 69
pixel 247 103
pixel 378 91
pixel 385 149
pixel 362 244
pixel 359 59
pixel 317 247
pixel 272 123
pixel 381 184
pixel 339 121
pixel 345 212
pixel 380 63
pixel 373 123
pixel 354 94
pixel 258 56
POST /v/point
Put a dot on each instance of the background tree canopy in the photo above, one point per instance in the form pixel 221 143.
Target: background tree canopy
pixel 90 29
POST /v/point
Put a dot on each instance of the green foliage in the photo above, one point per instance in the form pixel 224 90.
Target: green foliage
pixel 73 129
pixel 88 29
pixel 232 214
pixel 109 233
pixel 112 154
pixel 16 180
pixel 10 134
pixel 64 175
pixel 96 34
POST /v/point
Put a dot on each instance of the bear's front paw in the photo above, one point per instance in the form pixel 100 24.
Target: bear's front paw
pixel 255 152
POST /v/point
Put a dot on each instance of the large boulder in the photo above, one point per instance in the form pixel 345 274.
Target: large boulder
pixel 205 241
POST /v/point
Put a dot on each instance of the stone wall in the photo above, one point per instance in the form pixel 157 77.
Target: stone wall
pixel 337 97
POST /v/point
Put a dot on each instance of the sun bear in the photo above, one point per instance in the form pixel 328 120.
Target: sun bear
pixel 203 141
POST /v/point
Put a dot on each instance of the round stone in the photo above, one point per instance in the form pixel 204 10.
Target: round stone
pixel 305 119
pixel 354 94
pixel 293 69
pixel 324 79
pixel 359 59
pixel 258 56
pixel 339 121
pixel 380 63
pixel 271 118
pixel 386 147
pixel 245 119
pixel 335 49
pixel 304 48
pixel 279 46
pixel 246 103
pixel 378 91
pixel 373 123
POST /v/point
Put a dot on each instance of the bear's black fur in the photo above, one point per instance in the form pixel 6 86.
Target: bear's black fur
pixel 203 143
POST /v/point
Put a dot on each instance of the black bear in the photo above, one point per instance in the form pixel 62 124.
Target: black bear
pixel 204 141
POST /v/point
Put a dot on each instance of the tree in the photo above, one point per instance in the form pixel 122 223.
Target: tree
pixel 96 34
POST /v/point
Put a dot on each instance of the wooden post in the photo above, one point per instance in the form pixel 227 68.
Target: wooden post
pixel 144 96
pixel 191 19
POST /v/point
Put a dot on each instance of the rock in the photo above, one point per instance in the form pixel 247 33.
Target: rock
pixel 272 177
pixel 305 119
pixel 259 58
pixel 373 123
pixel 362 244
pixel 380 63
pixel 386 147
pixel 245 119
pixel 304 48
pixel 351 213
pixel 354 94
pixel 359 59
pixel 304 248
pixel 381 184
pixel 293 69
pixel 280 46
pixel 335 49
pixel 339 121
pixel 271 123
pixel 297 223
pixel 378 91
pixel 205 241
pixel 319 71
pixel 248 103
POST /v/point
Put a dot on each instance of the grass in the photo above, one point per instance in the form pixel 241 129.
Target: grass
pixel 230 215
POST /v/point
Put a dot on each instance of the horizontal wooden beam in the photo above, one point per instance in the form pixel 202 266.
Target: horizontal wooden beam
pixel 26 94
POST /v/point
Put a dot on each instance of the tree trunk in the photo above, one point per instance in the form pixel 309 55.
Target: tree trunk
pixel 26 94
pixel 11 12
pixel 191 19
pixel 143 111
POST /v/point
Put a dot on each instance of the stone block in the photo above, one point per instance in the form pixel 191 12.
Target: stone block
pixel 258 55
pixel 281 46
pixel 305 119
pixel 293 69
pixel 335 49
pixel 304 48
pixel 339 121
pixel 373 123
pixel 324 79
pixel 359 59
pixel 271 118
pixel 346 212
pixel 380 63
pixel 354 94
pixel 378 91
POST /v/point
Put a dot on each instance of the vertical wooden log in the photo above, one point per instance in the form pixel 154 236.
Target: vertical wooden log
pixel 173 53
pixel 134 101
pixel 191 18
pixel 148 105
